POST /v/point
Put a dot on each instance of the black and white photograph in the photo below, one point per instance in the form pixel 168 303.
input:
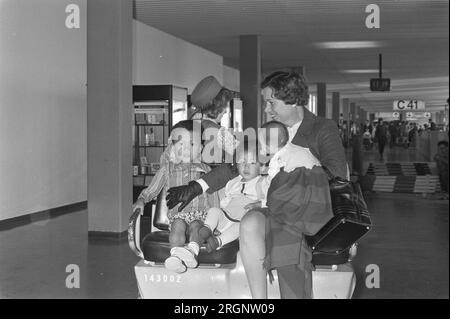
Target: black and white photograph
pixel 224 155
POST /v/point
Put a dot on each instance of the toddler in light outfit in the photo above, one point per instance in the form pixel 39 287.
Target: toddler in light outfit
pixel 247 190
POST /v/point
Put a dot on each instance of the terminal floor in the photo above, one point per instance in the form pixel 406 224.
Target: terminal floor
pixel 409 244
pixel 391 154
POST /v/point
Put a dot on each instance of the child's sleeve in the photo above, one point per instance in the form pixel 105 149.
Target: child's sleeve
pixel 213 199
pixel 165 156
pixel 156 185
pixel 262 187
pixel 225 195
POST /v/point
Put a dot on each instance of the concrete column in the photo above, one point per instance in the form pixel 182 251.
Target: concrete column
pixel 352 112
pixel 250 80
pixel 109 114
pixel 346 109
pixel 441 117
pixel 357 156
pixel 372 117
pixel 335 104
pixel 362 119
pixel 322 99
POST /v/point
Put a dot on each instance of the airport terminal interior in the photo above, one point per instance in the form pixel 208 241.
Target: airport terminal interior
pixel 90 90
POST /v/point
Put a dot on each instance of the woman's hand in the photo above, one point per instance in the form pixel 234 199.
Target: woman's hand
pixel 183 194
pixel 139 205
pixel 252 206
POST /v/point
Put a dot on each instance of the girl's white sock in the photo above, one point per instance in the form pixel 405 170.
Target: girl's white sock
pixel 193 246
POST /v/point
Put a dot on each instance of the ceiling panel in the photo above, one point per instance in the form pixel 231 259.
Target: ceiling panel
pixel 414 34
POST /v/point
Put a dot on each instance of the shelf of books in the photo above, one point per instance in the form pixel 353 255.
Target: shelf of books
pixel 150 132
pixel 156 109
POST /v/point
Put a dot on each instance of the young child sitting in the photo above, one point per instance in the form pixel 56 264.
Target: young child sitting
pixel 184 166
pixel 245 190
pixel 275 143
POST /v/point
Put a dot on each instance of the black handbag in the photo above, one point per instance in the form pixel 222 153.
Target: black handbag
pixel 351 218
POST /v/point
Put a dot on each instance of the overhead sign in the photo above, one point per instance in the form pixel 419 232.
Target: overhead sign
pixel 409 105
pixel 380 85
pixel 418 115
pixel 386 115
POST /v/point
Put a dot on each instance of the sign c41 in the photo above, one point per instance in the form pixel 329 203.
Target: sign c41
pixel 409 105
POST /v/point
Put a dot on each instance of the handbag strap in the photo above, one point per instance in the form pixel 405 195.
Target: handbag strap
pixel 328 172
pixel 353 195
pixel 332 177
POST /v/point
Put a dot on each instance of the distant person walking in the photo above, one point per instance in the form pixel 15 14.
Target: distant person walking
pixel 393 134
pixel 441 159
pixel 381 137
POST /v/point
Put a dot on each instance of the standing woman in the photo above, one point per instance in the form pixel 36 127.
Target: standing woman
pixel 211 99
pixel 285 96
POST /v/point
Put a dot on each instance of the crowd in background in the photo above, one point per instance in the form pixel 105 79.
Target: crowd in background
pixel 396 133
pixel 378 134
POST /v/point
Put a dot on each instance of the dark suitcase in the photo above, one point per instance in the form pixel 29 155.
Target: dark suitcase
pixel 351 219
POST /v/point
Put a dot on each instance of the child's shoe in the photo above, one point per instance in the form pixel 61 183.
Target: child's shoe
pixel 175 264
pixel 204 233
pixel 187 255
pixel 212 243
pixel 207 236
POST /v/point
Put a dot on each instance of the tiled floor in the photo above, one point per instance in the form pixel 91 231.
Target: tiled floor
pixel 409 244
pixel 394 154
pixel 34 257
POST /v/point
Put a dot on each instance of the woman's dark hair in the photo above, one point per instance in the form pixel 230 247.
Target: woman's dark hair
pixel 290 87
pixel 218 104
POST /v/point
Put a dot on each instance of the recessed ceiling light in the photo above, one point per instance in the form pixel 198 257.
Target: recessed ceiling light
pixel 363 71
pixel 348 44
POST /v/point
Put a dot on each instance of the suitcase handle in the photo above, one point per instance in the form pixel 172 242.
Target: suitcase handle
pixel 344 186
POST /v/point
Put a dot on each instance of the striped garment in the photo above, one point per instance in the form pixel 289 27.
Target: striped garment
pixel 171 175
